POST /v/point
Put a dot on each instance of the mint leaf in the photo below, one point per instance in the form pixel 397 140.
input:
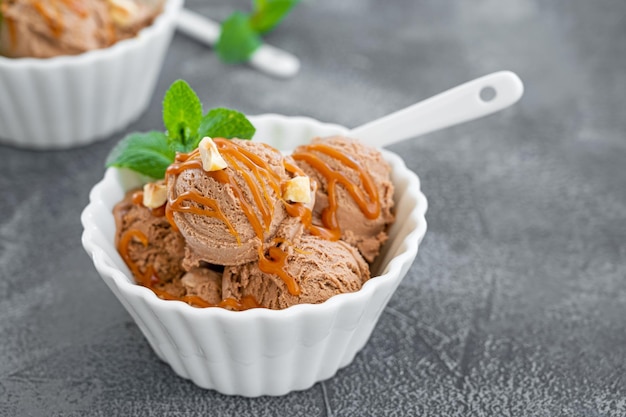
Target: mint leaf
pixel 238 40
pixel 147 153
pixel 269 13
pixel 225 123
pixel 182 112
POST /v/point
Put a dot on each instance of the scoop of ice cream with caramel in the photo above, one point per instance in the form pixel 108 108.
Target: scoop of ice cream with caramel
pixel 44 29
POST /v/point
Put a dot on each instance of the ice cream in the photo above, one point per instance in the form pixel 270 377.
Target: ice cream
pixel 148 244
pixel 43 29
pixel 355 194
pixel 260 229
pixel 228 215
pixel 320 268
pixel 204 283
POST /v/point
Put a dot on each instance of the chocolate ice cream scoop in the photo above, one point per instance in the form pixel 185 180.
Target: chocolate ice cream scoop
pixel 320 269
pixel 354 199
pixel 43 29
pixel 228 215
pixel 147 243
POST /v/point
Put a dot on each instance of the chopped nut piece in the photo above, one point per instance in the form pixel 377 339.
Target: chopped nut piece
pixel 123 11
pixel 210 156
pixel 298 190
pixel 154 194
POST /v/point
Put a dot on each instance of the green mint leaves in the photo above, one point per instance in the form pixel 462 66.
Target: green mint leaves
pixel 182 112
pixel 241 32
pixel 225 123
pixel 147 153
pixel 151 153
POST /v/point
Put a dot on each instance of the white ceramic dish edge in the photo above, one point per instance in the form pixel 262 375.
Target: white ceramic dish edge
pixel 259 351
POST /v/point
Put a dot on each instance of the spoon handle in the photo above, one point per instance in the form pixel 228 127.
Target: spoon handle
pixel 468 101
pixel 266 58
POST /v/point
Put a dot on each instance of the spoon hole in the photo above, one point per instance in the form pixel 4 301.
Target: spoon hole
pixel 488 94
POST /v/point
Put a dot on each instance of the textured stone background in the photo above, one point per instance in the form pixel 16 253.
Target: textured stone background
pixel 516 304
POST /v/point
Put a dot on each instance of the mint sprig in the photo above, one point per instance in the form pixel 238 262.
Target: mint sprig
pixel 241 32
pixel 150 153
pixel 182 112
pixel 147 153
pixel 225 123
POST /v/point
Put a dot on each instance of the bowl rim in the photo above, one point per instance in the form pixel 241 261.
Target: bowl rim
pixel 170 10
pixel 105 265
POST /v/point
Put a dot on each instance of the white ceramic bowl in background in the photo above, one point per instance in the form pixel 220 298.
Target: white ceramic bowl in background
pixel 69 101
pixel 260 351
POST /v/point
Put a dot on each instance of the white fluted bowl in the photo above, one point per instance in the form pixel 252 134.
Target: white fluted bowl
pixel 68 101
pixel 260 351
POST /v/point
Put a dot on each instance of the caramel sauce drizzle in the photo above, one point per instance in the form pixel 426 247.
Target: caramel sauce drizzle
pixel 12 30
pixel 77 7
pixel 205 206
pixel 274 263
pixel 265 176
pixel 367 199
pixel 10 23
pixel 305 214
pixel 137 199
pixel 123 246
pixel 52 17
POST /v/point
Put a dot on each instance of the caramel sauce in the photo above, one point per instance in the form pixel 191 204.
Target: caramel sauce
pixel 52 18
pixel 205 206
pixel 367 198
pixel 263 174
pixel 137 199
pixel 305 214
pixel 111 34
pixel 294 169
pixel 12 30
pixel 123 246
pixel 275 262
pixel 77 7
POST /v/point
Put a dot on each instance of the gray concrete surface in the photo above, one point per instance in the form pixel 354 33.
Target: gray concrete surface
pixel 516 303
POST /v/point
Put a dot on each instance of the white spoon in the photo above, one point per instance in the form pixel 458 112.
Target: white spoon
pixel 266 58
pixel 468 101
